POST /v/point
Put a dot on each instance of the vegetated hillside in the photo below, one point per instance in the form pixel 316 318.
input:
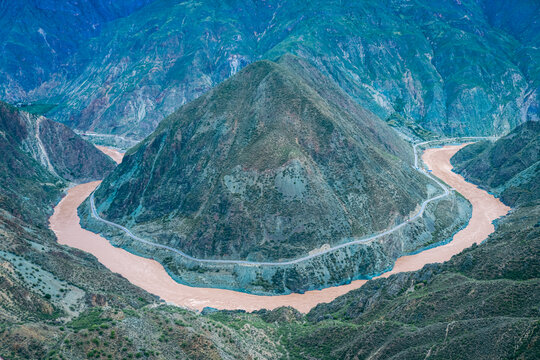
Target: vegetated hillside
pixel 22 176
pixel 39 39
pixel 425 66
pixel 508 167
pixel 266 166
pixel 54 146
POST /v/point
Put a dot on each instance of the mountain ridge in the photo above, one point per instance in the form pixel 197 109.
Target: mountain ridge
pixel 57 148
pixel 39 39
pixel 404 63
pixel 508 167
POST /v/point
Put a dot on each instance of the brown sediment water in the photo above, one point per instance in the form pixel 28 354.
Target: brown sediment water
pixel 152 277
pixel 112 153
pixel 485 209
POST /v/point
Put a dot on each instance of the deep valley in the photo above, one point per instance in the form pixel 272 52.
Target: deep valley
pixel 269 179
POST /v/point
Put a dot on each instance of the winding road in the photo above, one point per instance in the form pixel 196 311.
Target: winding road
pixel 151 276
pixel 312 254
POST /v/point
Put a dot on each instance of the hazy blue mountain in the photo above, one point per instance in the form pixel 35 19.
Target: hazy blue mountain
pixel 453 67
pixel 40 37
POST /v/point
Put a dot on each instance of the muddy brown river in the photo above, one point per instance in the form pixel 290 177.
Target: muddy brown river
pixel 112 153
pixel 152 277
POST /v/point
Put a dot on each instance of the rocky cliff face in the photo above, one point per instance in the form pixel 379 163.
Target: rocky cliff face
pixel 61 152
pixel 509 167
pixel 451 67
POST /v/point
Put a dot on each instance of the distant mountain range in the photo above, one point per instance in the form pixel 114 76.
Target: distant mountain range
pixel 468 67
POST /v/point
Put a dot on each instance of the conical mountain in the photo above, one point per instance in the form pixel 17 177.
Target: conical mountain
pixel 271 164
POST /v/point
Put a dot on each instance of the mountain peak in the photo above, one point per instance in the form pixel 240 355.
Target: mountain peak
pixel 267 165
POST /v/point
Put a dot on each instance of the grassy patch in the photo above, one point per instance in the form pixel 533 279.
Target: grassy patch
pixel 88 320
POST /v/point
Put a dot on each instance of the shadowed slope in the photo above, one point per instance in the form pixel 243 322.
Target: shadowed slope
pixel 509 167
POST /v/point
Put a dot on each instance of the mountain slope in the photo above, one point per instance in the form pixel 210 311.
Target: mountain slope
pixel 442 65
pixel 57 148
pixel 23 177
pixel 263 167
pixel 40 37
pixel 39 279
pixel 39 156
pixel 509 167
